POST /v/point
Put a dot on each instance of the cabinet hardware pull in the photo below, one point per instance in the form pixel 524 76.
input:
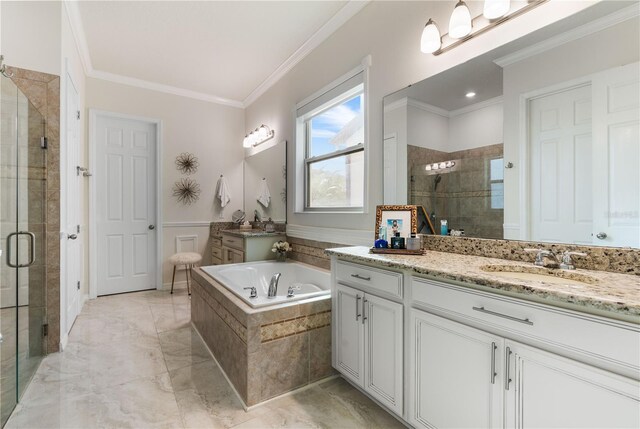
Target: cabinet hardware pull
pixel 507 372
pixel 359 277
pixel 357 307
pixel 364 303
pixel 493 363
pixel 504 316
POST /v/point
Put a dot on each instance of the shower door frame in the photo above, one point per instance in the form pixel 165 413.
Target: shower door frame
pixel 93 233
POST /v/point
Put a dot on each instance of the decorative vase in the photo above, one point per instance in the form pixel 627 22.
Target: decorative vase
pixel 281 256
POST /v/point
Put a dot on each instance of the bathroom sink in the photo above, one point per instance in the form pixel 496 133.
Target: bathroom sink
pixel 559 277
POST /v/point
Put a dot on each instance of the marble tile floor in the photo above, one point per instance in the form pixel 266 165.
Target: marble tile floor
pixel 134 361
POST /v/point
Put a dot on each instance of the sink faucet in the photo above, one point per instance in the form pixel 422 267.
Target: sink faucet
pixel 545 258
pixel 273 285
pixel 567 262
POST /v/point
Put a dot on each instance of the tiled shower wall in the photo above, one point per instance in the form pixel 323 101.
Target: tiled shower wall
pixel 461 195
pixel 43 91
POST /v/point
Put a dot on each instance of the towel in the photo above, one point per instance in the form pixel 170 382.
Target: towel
pixel 222 191
pixel 264 196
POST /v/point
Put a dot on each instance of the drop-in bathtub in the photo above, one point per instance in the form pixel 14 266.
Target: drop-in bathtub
pixel 307 281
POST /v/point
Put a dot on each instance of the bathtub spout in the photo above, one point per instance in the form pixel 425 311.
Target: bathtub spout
pixel 273 285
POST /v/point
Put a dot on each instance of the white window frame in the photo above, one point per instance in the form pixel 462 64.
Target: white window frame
pixel 301 146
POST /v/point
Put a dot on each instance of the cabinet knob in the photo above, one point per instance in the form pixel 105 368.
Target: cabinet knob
pixel 601 235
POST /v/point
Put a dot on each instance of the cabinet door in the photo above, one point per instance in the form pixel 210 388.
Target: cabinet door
pixel 349 333
pixel 383 351
pixel 551 391
pixel 232 256
pixel 455 374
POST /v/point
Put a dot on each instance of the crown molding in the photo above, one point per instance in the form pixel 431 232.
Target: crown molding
pixel 395 105
pixel 167 89
pixel 427 107
pixel 476 106
pixel 347 12
pixel 600 24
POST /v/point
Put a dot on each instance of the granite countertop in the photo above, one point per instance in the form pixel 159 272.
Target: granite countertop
pixel 249 233
pixel 609 294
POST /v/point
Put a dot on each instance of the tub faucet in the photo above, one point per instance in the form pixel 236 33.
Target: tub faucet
pixel 273 285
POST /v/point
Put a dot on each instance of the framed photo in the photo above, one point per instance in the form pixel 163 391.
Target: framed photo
pixel 402 219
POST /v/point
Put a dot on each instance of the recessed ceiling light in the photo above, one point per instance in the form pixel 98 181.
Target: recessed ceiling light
pixel 470 94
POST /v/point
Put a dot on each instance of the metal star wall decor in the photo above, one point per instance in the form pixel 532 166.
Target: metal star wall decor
pixel 187 163
pixel 186 191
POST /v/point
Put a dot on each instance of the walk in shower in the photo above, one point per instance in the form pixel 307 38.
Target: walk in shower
pixel 23 178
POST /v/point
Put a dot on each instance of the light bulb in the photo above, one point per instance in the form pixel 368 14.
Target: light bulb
pixel 494 9
pixel 427 168
pixel 460 22
pixel 263 132
pixel 470 94
pixel 246 142
pixel 430 41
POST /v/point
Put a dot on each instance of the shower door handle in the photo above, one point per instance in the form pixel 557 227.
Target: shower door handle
pixel 32 249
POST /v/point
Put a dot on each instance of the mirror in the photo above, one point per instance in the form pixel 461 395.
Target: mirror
pixel 536 140
pixel 265 184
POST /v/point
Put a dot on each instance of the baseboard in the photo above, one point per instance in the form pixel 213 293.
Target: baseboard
pixel 63 342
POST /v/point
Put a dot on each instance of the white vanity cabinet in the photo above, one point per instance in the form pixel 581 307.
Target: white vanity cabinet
pixel 547 390
pixel 455 376
pixel 368 337
pixel 476 358
pixel 244 247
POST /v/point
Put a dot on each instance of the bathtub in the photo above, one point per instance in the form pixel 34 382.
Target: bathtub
pixel 306 280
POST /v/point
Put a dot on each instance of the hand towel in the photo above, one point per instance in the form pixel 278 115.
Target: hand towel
pixel 264 196
pixel 222 191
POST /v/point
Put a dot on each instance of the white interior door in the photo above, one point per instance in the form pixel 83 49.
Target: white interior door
pixel 73 261
pixel 560 126
pixel 616 192
pixel 125 204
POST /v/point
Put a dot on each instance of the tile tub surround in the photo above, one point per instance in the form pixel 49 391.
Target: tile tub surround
pixel 611 259
pixel 264 352
pixel 613 295
pixel 311 252
pixel 43 91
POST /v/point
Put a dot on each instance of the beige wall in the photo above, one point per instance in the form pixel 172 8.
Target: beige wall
pixel 390 32
pixel 210 131
pixel 31 35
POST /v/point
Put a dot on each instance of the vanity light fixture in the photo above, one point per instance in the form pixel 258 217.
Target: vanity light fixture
pixel 439 165
pixel 258 136
pixel 460 21
pixel 463 28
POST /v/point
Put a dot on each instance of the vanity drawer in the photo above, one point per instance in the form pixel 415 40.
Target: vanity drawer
pixel 370 279
pixel 216 242
pixel 612 343
pixel 232 241
pixel 216 252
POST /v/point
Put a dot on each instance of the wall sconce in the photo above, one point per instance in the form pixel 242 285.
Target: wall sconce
pixel 258 136
pixel 463 28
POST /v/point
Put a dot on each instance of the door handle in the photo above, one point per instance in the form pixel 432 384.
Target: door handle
pixel 32 250
pixel 152 227
pixel 72 236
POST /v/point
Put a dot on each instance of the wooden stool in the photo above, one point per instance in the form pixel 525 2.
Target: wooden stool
pixel 188 259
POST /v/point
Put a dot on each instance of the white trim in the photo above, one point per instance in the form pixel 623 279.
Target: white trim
pixel 167 89
pixel 348 237
pixel 395 105
pixel 93 235
pixel 190 224
pixel 347 12
pixel 523 147
pixel 476 106
pixel 571 35
pixel 364 64
pixel 428 107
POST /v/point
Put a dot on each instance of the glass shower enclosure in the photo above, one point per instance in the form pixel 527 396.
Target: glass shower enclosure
pixel 23 176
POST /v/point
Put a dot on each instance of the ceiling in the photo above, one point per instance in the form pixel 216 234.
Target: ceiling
pixel 225 49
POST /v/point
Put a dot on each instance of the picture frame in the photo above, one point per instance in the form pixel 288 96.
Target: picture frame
pixel 397 218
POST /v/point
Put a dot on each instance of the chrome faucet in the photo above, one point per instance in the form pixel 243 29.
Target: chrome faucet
pixel 545 258
pixel 567 261
pixel 273 285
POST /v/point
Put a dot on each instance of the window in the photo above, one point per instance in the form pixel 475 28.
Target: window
pixel 331 133
pixel 496 178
